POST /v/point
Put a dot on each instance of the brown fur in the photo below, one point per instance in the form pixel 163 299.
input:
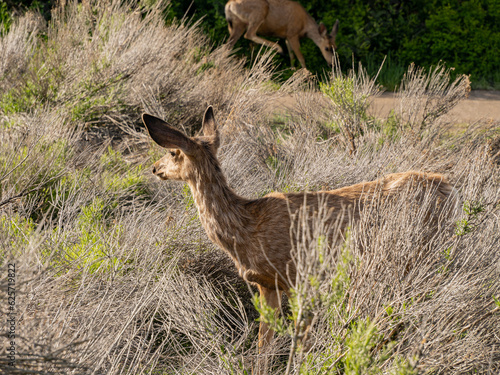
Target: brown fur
pixel 256 232
pixel 278 18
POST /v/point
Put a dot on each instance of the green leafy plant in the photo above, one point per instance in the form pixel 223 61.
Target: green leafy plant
pixel 121 178
pixel 5 19
pixel 18 232
pixel 91 248
pixel 472 209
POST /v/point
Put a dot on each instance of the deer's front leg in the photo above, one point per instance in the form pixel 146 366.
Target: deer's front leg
pixel 272 298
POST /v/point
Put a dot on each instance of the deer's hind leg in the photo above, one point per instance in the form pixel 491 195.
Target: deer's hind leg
pixel 272 298
pixel 252 14
pixel 236 30
pixel 251 34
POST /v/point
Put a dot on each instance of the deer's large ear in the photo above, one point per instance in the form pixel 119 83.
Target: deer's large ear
pixel 322 29
pixel 335 28
pixel 209 126
pixel 165 135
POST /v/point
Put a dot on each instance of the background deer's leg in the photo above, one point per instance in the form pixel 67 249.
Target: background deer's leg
pixel 251 34
pixel 236 30
pixel 290 52
pixel 272 298
pixel 295 44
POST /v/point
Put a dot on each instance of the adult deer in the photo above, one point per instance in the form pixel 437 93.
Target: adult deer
pixel 256 232
pixel 278 18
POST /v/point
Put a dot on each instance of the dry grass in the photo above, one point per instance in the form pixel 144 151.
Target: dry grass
pixel 114 273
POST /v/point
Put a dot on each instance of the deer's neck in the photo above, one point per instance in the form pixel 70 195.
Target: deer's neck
pixel 222 212
pixel 312 31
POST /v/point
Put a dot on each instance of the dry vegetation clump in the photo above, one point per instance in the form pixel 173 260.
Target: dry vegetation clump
pixel 114 273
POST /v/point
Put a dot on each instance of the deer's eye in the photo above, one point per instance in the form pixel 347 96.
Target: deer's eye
pixel 172 153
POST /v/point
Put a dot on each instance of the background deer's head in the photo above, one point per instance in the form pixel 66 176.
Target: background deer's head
pixel 327 44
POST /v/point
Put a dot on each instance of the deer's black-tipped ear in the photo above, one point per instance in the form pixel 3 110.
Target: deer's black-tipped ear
pixel 165 135
pixel 335 28
pixel 322 29
pixel 209 127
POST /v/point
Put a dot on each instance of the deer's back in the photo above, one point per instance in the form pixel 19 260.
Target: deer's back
pixel 275 212
pixel 280 18
pixel 270 235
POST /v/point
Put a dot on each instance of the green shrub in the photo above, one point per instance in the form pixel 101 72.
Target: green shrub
pixel 472 209
pixel 89 245
pixel 120 178
pixel 5 18
pixel 16 233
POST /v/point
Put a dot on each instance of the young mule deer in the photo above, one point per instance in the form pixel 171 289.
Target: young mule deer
pixel 278 18
pixel 256 232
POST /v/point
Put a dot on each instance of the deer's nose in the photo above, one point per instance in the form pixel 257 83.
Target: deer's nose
pixel 154 169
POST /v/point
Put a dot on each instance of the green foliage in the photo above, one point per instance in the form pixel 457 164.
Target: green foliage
pixel 120 178
pixel 57 183
pixel 87 98
pixel 497 301
pixel 42 6
pixel 187 197
pixel 212 12
pixel 462 227
pixel 349 97
pixel 21 99
pixel 91 248
pixel 389 127
pixel 17 232
pixel 229 365
pixel 339 88
pixel 270 316
pixel 342 90
pixel 473 208
pixel 447 253
pixel 5 18
pixel 390 74
pixel 468 224
pixel 359 344
pixel 37 87
pixel 359 352
pixel 462 34
pixel 94 99
pixel 298 306
pixel 341 280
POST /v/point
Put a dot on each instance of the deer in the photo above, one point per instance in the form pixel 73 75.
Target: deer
pixel 255 233
pixel 283 19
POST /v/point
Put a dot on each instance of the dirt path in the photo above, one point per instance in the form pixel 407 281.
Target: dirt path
pixel 481 105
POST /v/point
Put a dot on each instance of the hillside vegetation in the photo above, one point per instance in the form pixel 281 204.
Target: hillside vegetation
pixel 114 273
